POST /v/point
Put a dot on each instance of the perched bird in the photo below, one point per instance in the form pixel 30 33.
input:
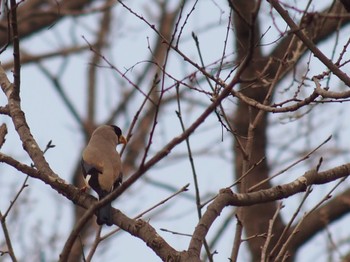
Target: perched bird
pixel 101 165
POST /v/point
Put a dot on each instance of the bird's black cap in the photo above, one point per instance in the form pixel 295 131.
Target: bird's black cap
pixel 117 130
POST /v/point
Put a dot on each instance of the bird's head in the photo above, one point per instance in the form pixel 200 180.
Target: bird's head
pixel 118 132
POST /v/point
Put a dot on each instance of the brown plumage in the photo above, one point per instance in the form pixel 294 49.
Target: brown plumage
pixel 101 165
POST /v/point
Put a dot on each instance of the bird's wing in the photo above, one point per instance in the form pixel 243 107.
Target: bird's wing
pixel 118 181
pixel 91 173
pixel 90 169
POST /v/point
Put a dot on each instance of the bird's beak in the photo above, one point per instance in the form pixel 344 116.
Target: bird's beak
pixel 122 140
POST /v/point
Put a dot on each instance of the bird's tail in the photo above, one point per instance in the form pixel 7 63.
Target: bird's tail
pixel 104 215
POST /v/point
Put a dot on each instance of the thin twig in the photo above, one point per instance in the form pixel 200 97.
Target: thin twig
pixel 237 241
pixel 81 223
pixel 186 19
pixel 137 114
pixel 3 221
pixel 290 166
pixel 181 190
pixel 282 251
pixel 284 248
pixel 174 232
pixel 193 168
pixel 270 233
pixel 95 244
pixel 117 70
pixel 24 185
pixel 3 133
pixel 16 50
pixel 308 42
pixel 291 221
pixel 7 238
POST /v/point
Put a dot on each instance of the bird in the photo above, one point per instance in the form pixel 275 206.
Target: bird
pixel 102 167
